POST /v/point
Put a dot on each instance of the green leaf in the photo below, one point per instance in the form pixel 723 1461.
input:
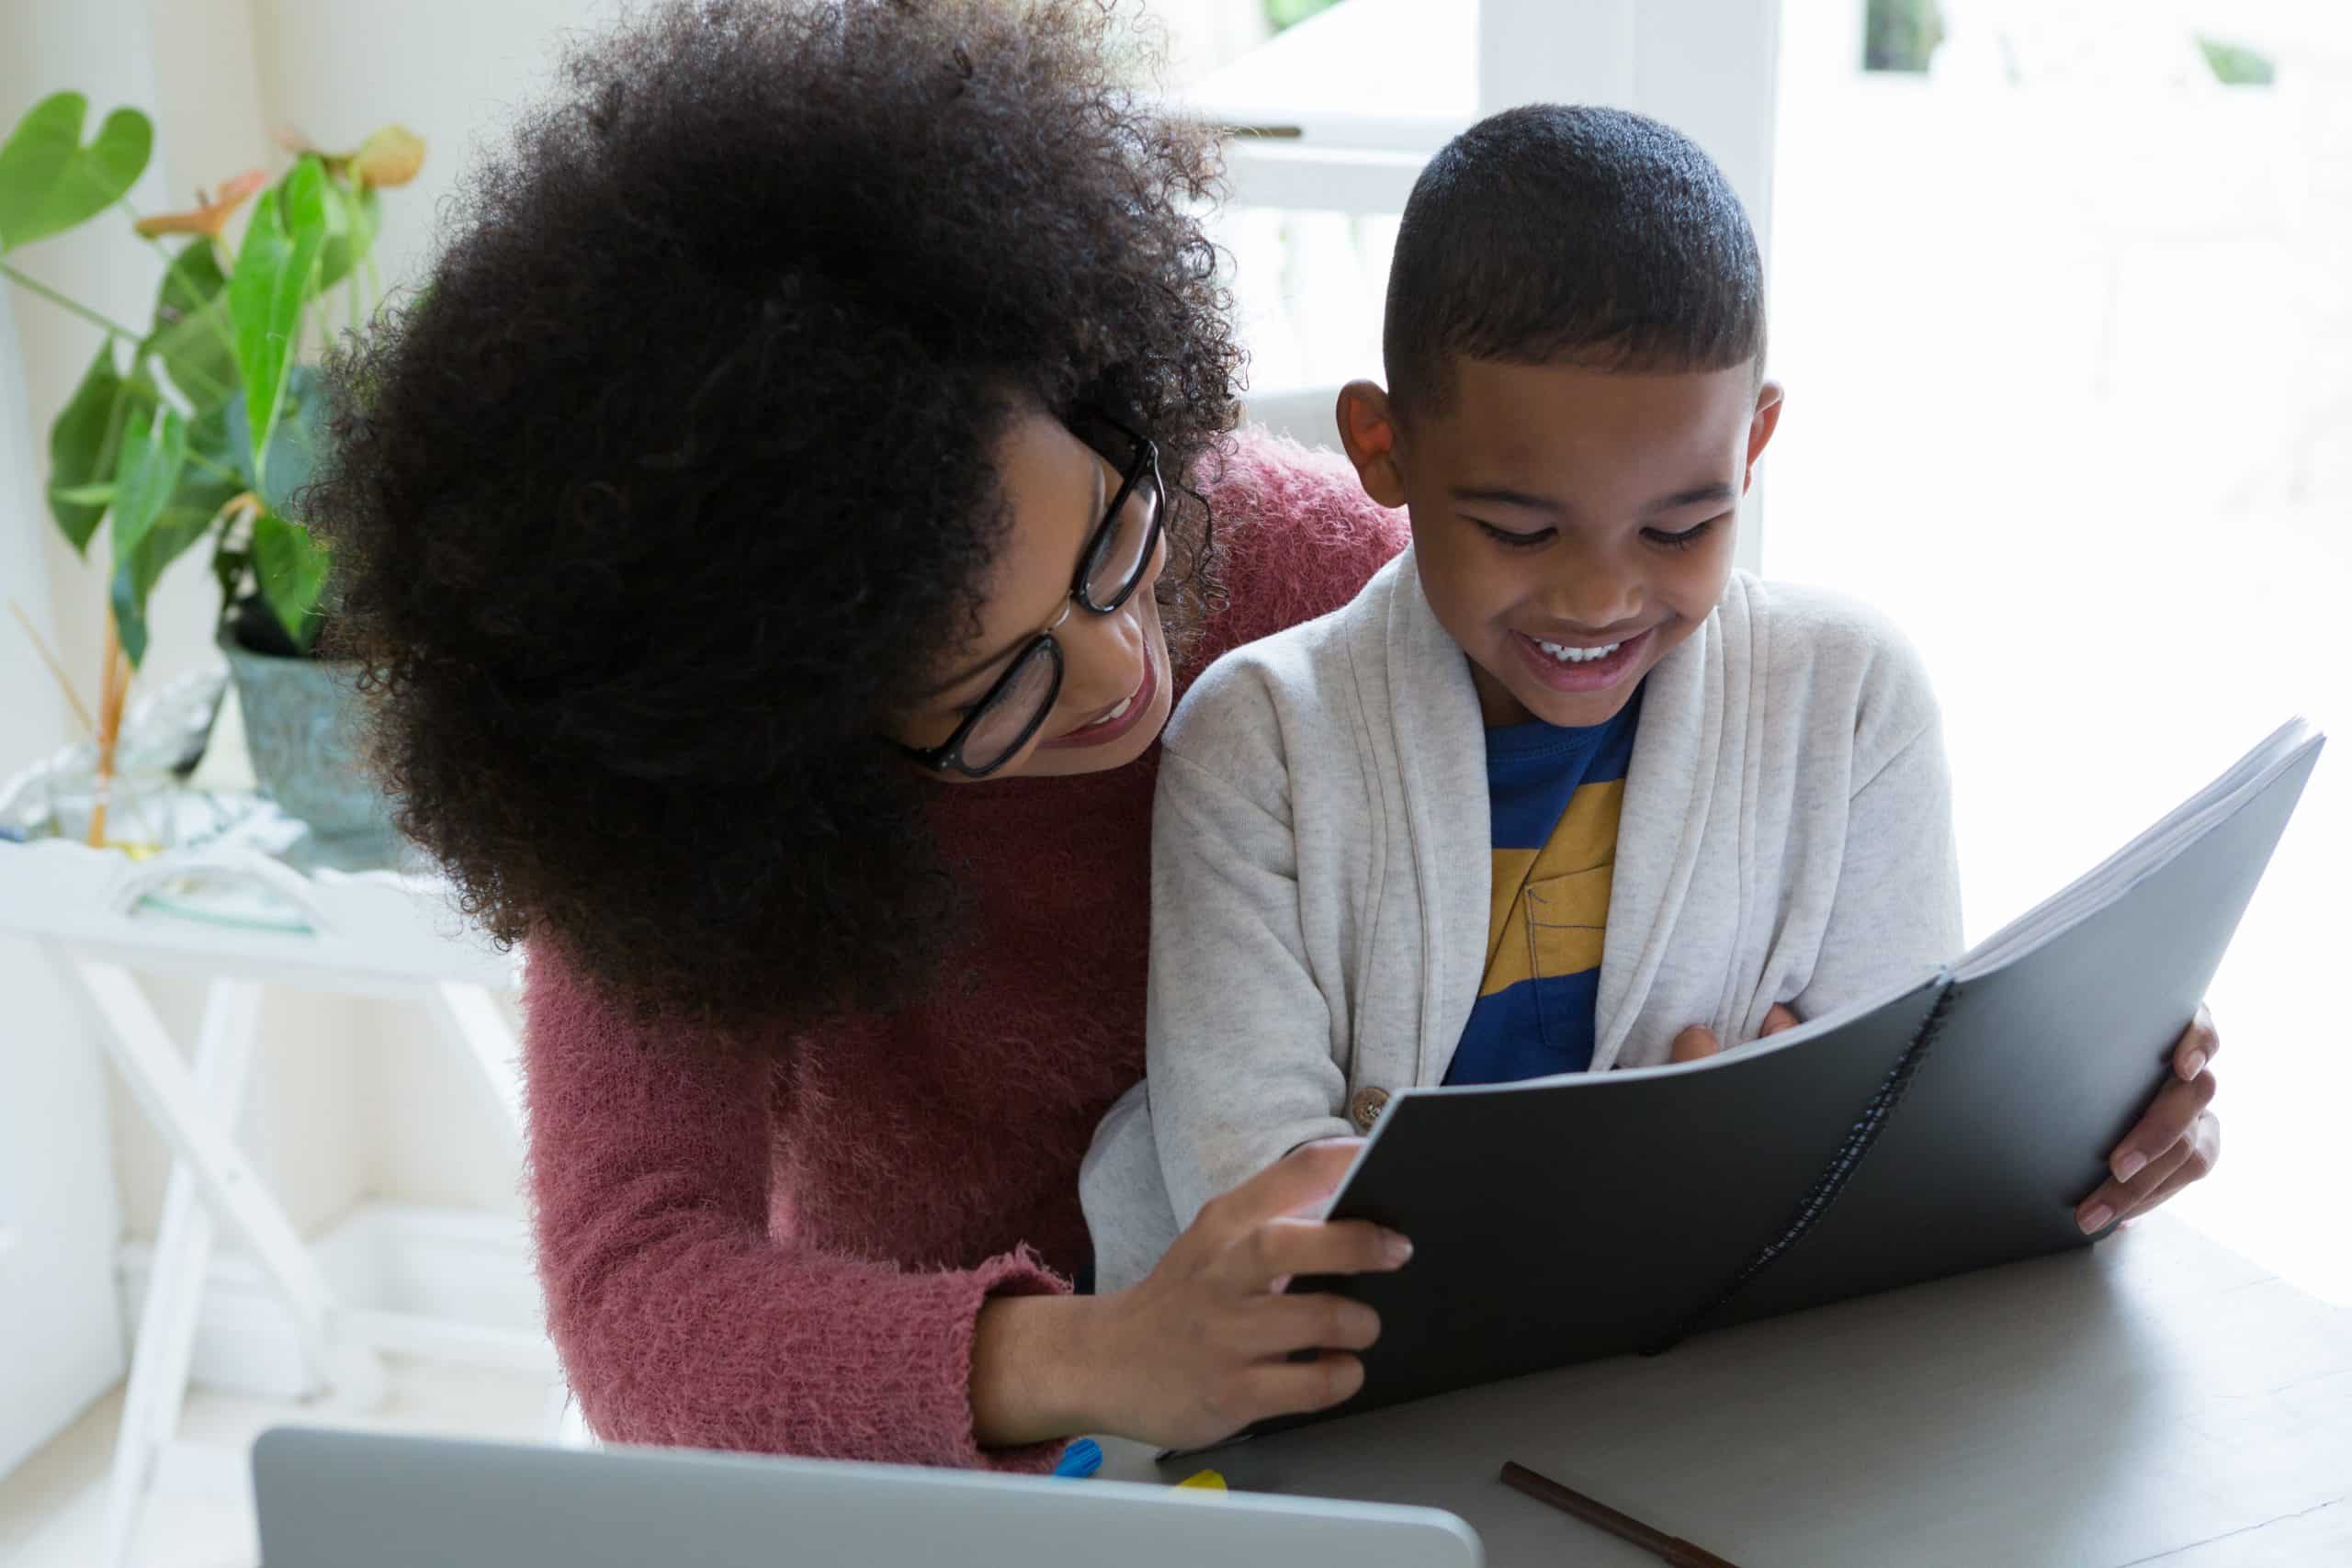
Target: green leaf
pixel 294 446
pixel 85 439
pixel 87 495
pixel 191 335
pixel 267 292
pixel 292 573
pixel 353 218
pixel 195 503
pixel 152 456
pixel 218 435
pixel 188 515
pixel 2235 65
pixel 49 181
pixel 150 467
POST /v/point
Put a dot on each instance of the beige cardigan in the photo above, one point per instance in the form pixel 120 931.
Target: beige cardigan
pixel 1321 866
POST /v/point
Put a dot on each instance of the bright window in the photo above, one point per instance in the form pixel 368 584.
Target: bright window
pixel 1339 112
pixel 2064 323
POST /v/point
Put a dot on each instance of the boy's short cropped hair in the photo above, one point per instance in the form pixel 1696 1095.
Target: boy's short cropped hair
pixel 1555 232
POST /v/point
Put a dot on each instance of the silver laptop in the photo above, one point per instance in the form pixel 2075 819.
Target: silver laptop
pixel 365 1500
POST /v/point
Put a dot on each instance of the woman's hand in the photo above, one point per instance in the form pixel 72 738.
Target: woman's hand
pixel 1202 1348
pixel 2175 1143
pixel 1698 1041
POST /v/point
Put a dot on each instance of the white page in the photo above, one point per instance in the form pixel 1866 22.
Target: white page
pixel 2111 878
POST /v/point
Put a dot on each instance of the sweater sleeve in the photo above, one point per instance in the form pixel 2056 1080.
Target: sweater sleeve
pixel 1238 1035
pixel 1298 539
pixel 682 1320
pixel 1896 912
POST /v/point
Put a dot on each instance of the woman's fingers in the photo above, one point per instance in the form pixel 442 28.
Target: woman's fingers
pixel 1781 1017
pixel 1260 1241
pixel 2191 1158
pixel 2119 1199
pixel 1287 1388
pixel 1273 1252
pixel 2198 1046
pixel 1279 1326
pixel 1205 1342
pixel 2175 1141
pixel 1298 1179
pixel 2200 1151
pixel 2166 1120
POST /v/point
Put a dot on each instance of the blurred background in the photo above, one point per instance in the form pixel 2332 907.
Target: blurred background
pixel 2058 295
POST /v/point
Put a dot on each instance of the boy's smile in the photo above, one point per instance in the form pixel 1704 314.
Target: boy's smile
pixel 1572 524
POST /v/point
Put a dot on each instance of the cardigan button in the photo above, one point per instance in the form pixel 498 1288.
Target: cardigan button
pixel 1365 1109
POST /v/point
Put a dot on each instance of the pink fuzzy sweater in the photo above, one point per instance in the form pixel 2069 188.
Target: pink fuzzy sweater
pixel 788 1255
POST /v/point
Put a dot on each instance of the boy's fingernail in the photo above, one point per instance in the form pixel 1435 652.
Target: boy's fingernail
pixel 2095 1221
pixel 2130 1165
pixel 1400 1251
pixel 2193 1066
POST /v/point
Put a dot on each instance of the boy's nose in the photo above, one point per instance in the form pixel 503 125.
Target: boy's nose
pixel 1593 598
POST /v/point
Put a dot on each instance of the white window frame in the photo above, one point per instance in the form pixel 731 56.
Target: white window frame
pixel 1710 68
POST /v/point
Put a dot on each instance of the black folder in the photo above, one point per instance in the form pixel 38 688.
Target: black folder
pixel 1950 1125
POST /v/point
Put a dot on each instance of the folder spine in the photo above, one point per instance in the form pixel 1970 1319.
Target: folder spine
pixel 1826 1188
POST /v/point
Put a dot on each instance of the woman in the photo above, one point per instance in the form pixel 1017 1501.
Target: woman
pixel 783 526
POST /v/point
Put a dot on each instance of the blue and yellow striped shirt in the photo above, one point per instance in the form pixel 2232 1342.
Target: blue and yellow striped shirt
pixel 1554 795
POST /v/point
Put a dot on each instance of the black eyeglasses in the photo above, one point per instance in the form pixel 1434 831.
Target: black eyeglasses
pixel 1110 567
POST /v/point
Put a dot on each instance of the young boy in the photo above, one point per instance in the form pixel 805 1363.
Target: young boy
pixel 1559 783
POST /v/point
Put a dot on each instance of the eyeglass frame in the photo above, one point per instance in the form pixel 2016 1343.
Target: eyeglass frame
pixel 948 756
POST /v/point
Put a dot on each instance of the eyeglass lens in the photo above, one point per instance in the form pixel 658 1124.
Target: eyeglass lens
pixel 1005 723
pixel 1022 702
pixel 1124 553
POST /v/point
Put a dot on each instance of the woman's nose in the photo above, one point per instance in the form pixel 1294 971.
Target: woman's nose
pixel 1103 657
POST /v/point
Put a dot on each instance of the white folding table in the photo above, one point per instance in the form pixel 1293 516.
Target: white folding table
pixel 105 919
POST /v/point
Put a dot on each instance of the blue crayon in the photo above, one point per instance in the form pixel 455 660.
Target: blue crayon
pixel 1081 1460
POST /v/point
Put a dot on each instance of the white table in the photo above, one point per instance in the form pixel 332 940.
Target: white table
pixel 377 933
pixel 2155 1400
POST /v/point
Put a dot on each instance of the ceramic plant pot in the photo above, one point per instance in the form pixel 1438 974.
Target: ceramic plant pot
pixel 302 728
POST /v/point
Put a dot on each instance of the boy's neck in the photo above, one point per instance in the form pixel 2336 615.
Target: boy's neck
pixel 1496 707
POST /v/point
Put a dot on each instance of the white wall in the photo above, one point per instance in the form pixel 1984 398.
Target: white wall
pixel 58 1214
pixel 354 1100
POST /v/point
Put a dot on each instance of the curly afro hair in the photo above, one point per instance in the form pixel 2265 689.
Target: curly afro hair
pixel 648 509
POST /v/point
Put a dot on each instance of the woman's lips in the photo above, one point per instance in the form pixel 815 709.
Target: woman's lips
pixel 1121 717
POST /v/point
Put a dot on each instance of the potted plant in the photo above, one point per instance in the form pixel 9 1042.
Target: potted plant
pixel 201 427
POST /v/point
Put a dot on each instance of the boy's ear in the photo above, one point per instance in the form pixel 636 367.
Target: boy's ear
pixel 1368 430
pixel 1766 419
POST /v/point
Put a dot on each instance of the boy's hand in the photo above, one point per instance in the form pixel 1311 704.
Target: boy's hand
pixel 1203 1347
pixel 2177 1141
pixel 1698 1041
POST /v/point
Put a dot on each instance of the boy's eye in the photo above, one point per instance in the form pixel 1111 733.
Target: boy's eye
pixel 1685 539
pixel 1517 541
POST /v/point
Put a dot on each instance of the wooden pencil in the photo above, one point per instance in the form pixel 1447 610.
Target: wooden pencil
pixel 1625 1527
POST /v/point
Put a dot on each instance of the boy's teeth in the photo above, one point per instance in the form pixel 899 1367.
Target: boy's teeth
pixel 1119 712
pixel 1576 655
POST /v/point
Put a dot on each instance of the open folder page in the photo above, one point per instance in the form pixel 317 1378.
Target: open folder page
pixel 1952 1125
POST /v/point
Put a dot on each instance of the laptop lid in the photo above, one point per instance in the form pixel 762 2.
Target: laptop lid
pixel 331 1499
